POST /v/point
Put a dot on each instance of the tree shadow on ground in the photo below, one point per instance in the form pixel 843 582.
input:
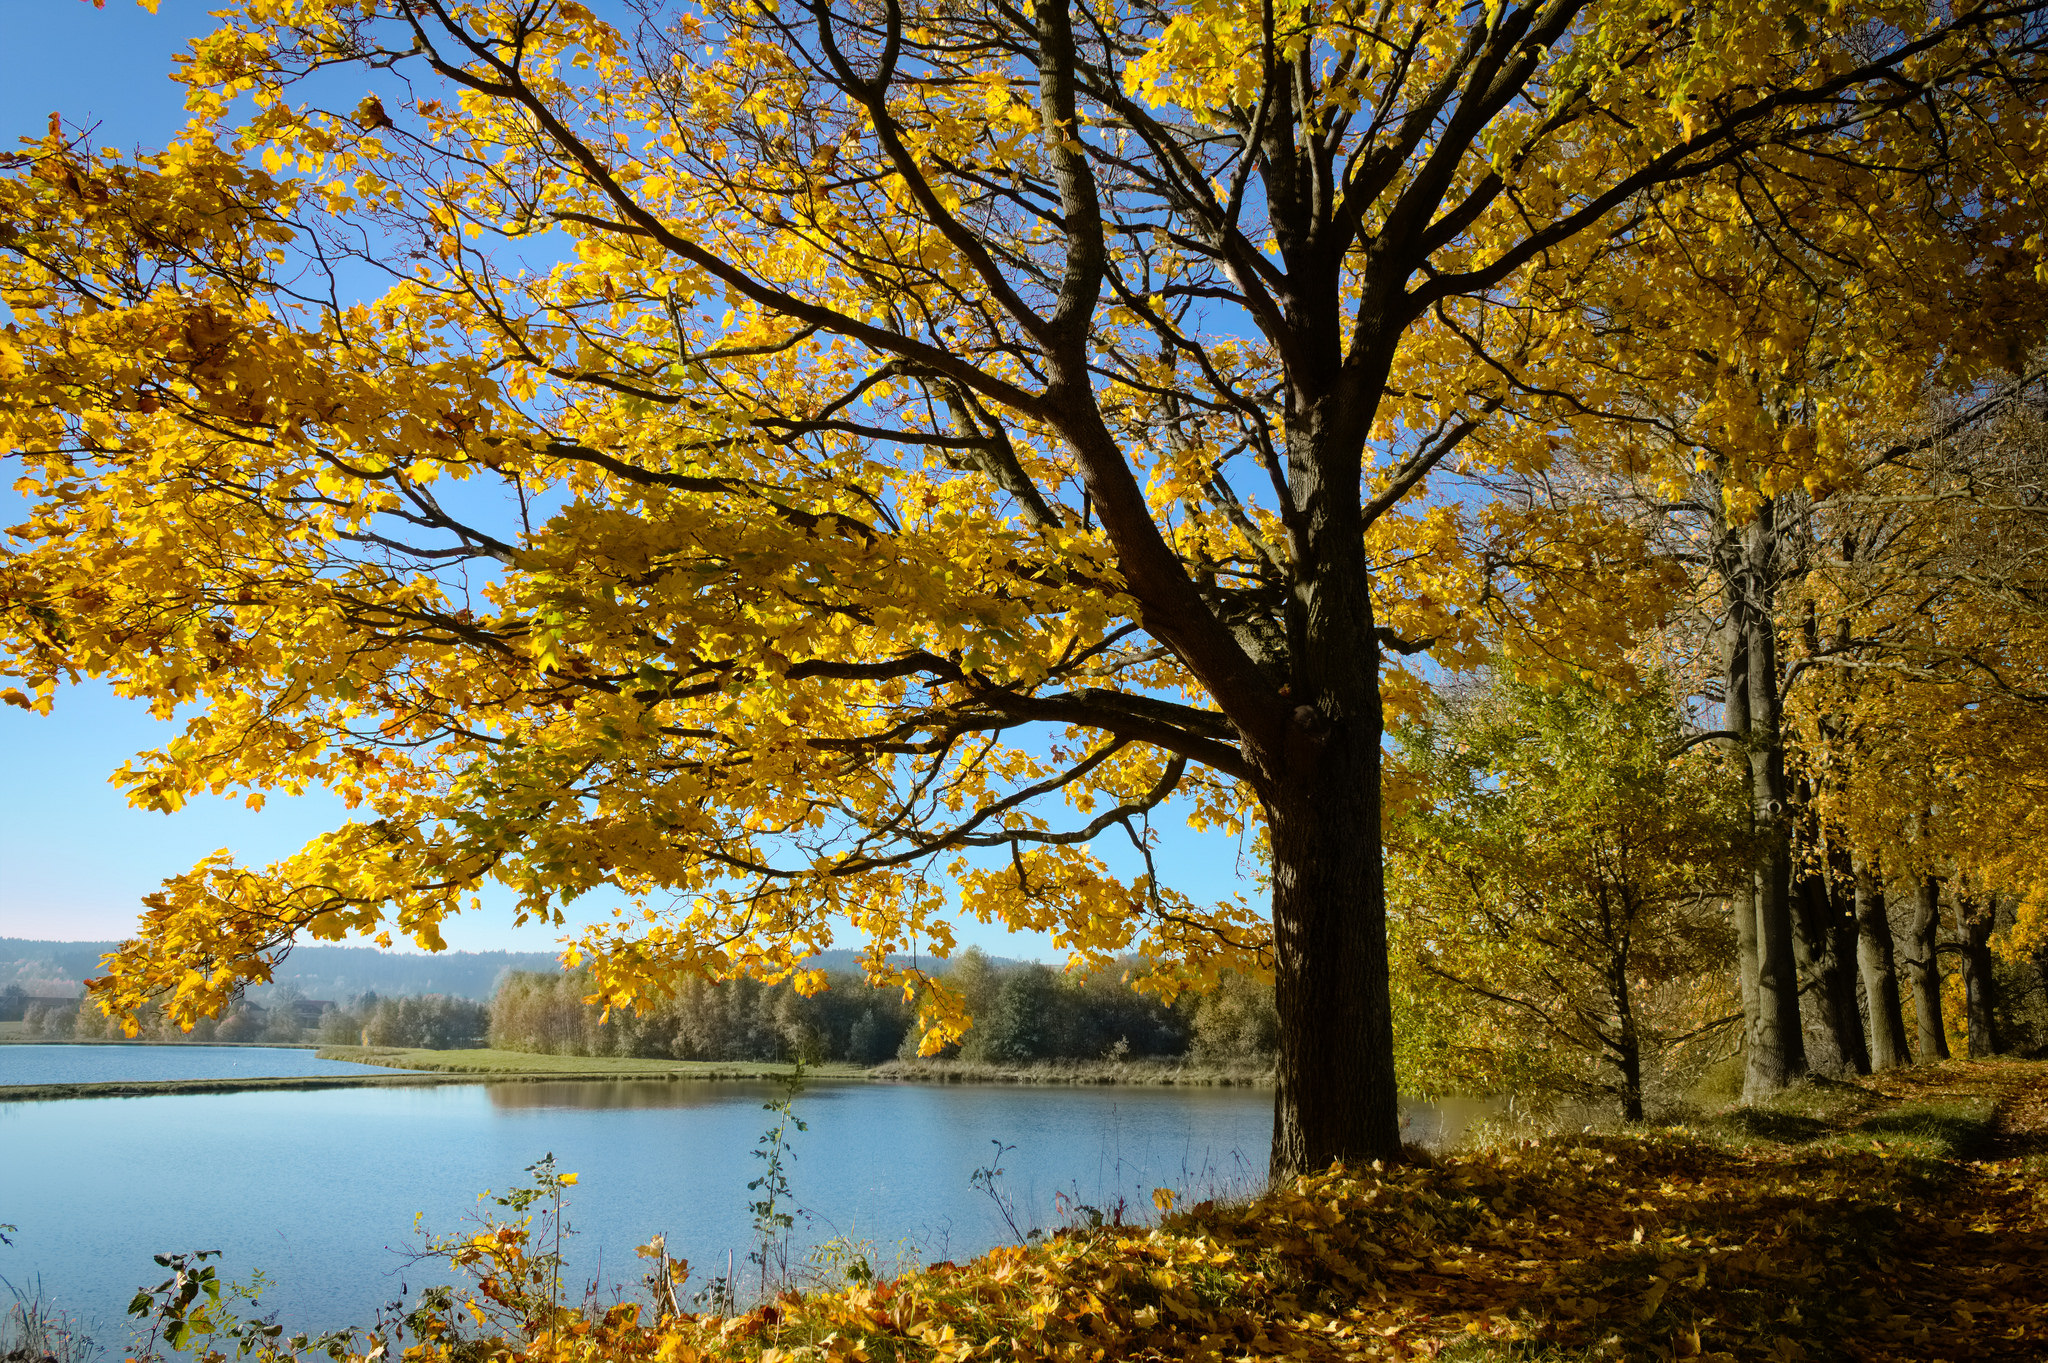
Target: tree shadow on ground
pixel 1762 1123
pixel 1960 1132
pixel 1833 1232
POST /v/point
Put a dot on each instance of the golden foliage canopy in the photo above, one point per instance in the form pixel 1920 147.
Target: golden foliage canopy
pixel 807 464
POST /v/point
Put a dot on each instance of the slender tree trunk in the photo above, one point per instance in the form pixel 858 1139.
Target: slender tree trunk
pixel 1842 947
pixel 1777 1056
pixel 1742 900
pixel 1874 959
pixel 1923 966
pixel 1628 1048
pixel 1742 908
pixel 1975 918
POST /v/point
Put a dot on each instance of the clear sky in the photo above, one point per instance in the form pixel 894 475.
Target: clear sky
pixel 74 858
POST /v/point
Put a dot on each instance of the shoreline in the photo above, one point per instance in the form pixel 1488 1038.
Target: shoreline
pixel 409 1068
pixel 1126 1073
pixel 150 1088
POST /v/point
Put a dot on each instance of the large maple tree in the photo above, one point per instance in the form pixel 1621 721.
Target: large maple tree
pixel 811 462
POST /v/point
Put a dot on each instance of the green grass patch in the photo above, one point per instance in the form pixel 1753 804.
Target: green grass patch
pixel 1949 1129
pixel 1813 1110
pixel 1148 1070
pixel 1827 1117
pixel 487 1061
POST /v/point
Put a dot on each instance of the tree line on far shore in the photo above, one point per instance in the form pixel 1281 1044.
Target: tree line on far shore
pixel 285 1018
pixel 1023 1013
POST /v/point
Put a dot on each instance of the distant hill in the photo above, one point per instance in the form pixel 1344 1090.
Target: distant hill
pixel 318 972
pixel 323 972
pixel 48 969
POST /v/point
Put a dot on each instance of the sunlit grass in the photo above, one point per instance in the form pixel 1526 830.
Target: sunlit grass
pixel 486 1060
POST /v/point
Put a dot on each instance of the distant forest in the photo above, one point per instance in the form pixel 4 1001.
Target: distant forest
pixel 1024 1012
pixel 60 969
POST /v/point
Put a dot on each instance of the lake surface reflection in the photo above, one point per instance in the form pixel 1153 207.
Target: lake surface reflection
pixel 319 1189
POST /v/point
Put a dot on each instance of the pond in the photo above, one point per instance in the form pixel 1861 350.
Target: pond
pixel 319 1189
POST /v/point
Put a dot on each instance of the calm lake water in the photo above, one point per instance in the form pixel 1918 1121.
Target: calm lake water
pixel 319 1189
pixel 28 1063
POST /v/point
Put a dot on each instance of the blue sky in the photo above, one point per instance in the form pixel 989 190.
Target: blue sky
pixel 74 858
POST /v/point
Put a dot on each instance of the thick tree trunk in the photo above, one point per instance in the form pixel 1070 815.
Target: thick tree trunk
pixel 1334 1093
pixel 1333 1096
pixel 1975 918
pixel 1923 966
pixel 1874 959
pixel 1775 1051
pixel 1777 1054
pixel 1827 985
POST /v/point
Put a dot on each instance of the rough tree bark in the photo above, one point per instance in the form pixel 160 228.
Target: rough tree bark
pixel 1923 965
pixel 1742 908
pixel 1848 1009
pixel 1745 559
pixel 1823 950
pixel 1874 958
pixel 1628 1045
pixel 1975 917
pixel 1332 1085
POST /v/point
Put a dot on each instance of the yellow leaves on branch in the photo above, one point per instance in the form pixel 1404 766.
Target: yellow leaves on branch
pixel 748 492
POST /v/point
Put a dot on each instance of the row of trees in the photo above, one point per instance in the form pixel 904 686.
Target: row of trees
pixel 84 1020
pixel 433 1020
pixel 942 440
pixel 1565 904
pixel 1023 1013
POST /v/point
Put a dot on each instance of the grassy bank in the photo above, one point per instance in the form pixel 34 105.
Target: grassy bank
pixel 145 1088
pixel 1145 1071
pixel 496 1062
pixel 493 1064
pixel 430 1068
pixel 485 1065
pixel 1899 1219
